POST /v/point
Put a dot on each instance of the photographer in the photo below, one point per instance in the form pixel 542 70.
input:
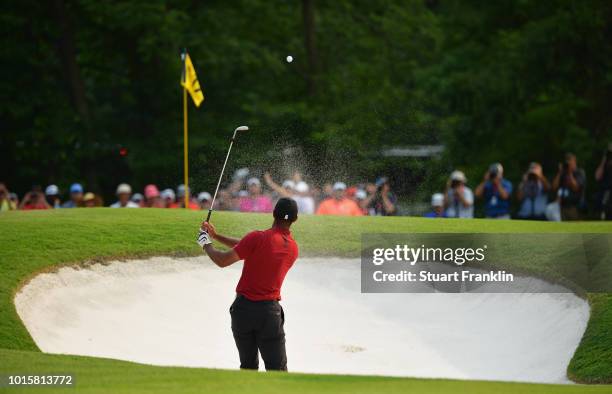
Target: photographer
pixel 34 199
pixel 569 184
pixel 532 193
pixel 603 176
pixel 5 201
pixel 496 191
pixel 382 202
pixel 458 198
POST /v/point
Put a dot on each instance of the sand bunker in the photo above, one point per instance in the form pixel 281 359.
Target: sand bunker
pixel 175 312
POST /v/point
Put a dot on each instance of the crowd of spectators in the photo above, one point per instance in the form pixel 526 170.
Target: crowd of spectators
pixel 244 193
pixel 563 198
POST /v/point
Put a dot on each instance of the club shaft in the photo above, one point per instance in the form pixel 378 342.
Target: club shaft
pixel 212 203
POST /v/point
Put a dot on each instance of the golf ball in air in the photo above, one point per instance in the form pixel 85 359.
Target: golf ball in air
pixel 289 59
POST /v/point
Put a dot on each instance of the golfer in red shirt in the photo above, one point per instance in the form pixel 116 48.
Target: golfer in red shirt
pixel 257 317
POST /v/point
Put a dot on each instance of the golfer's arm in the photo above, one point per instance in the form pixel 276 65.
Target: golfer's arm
pixel 222 259
pixel 227 241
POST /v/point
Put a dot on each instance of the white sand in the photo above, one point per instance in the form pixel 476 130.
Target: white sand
pixel 175 312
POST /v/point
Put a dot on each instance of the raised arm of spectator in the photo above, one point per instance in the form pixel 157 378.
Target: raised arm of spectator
pixel 446 189
pixel 25 200
pixel 235 186
pixel 464 201
pixel 479 191
pixel 275 186
pixel 573 183
pixel 503 193
pixel 545 183
pixel 365 203
pixel 388 204
pixel 557 179
pixel 599 172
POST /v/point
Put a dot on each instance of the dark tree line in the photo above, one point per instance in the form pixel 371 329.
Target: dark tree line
pixel 509 81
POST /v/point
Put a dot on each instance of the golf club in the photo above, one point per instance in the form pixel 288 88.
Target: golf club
pixel 212 203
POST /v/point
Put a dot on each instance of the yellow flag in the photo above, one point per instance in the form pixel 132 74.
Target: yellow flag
pixel 189 80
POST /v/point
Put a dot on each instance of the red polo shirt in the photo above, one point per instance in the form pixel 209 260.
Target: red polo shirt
pixel 267 256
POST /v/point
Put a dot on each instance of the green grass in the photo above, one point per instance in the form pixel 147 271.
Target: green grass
pixel 31 242
pixel 96 375
pixel 592 361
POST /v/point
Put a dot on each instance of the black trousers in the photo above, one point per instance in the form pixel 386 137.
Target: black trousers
pixel 258 327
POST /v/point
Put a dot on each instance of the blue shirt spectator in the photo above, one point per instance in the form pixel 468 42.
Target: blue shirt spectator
pixel 76 196
pixel 496 191
pixel 497 206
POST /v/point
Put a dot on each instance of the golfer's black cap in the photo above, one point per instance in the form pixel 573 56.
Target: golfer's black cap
pixel 286 209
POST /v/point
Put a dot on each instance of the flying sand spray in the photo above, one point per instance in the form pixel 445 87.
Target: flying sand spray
pixel 212 204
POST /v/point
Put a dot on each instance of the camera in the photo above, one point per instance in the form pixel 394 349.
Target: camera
pixel 532 177
pixel 493 173
pixel 455 183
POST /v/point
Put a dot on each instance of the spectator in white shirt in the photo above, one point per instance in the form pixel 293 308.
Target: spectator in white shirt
pixel 459 199
pixel 124 192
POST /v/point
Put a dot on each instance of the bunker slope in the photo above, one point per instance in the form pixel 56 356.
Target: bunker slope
pixel 168 311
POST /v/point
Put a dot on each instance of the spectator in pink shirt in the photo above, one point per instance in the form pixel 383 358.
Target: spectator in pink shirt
pixel 255 201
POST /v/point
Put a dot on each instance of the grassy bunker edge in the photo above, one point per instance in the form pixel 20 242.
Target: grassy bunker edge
pixel 34 242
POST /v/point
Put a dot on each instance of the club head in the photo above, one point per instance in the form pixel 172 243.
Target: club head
pixel 241 128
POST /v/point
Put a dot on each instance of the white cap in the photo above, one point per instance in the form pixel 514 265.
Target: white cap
pixel 301 187
pixel 52 190
pixel 253 181
pixel 437 200
pixel 204 196
pixel 241 173
pixel 361 194
pixel 124 188
pixel 169 193
pixel 180 190
pixel 137 197
pixel 288 184
pixel 339 186
pixel 458 176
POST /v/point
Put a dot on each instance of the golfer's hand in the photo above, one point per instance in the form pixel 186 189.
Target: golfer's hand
pixel 203 238
pixel 210 229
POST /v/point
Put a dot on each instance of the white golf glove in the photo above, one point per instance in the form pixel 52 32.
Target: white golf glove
pixel 203 238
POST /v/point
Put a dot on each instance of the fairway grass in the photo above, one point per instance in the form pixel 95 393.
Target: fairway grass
pixel 33 242
pixel 96 375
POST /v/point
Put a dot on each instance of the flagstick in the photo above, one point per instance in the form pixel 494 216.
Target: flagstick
pixel 185 150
